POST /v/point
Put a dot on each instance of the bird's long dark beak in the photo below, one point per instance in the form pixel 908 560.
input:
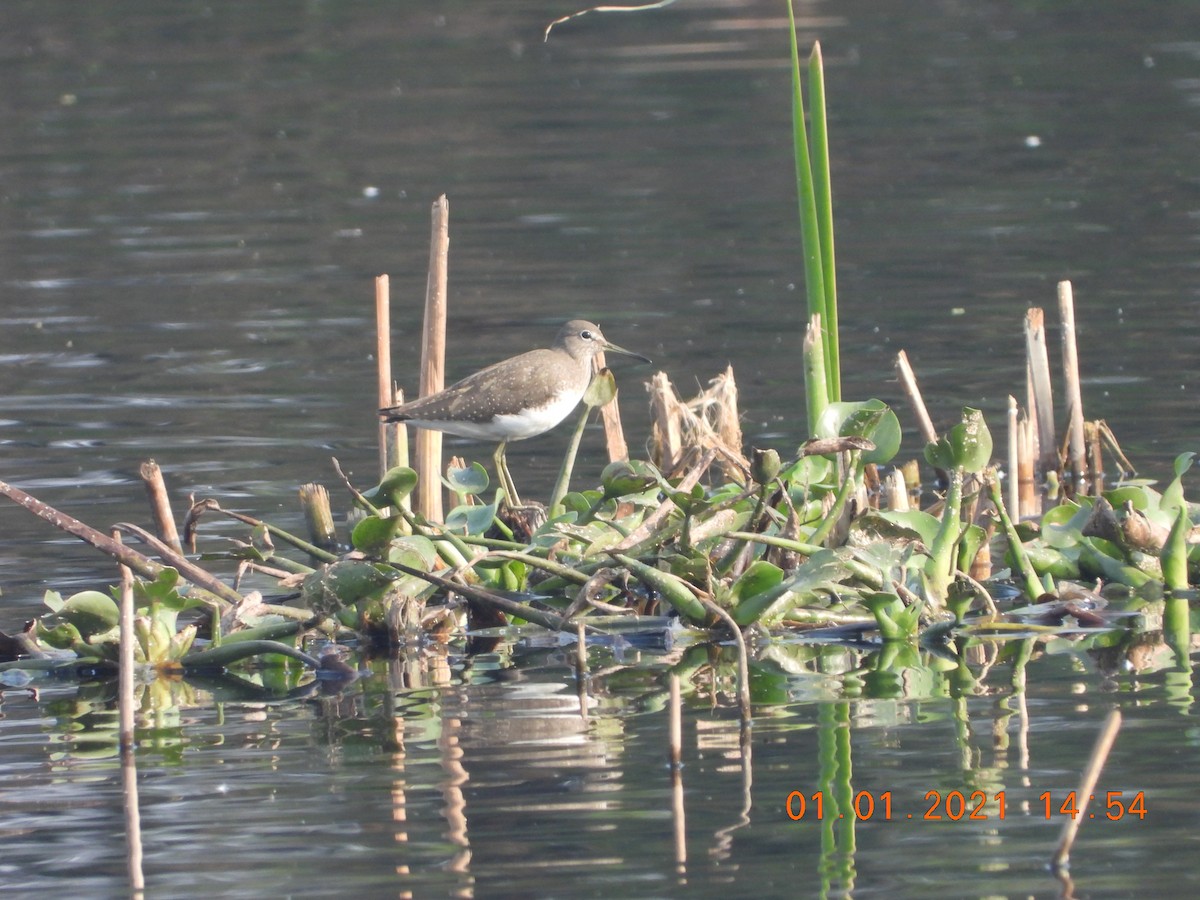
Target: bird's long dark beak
pixel 613 348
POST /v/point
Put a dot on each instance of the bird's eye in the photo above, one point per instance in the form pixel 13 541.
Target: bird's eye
pixel 587 335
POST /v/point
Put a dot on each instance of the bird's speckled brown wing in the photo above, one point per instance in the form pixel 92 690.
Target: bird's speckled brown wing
pixel 501 389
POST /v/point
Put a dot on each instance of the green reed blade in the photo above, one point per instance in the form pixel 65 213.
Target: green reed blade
pixel 823 192
pixel 809 230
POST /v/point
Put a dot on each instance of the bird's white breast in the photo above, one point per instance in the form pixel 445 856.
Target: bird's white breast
pixel 534 420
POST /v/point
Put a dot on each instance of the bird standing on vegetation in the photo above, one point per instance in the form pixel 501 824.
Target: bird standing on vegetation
pixel 516 398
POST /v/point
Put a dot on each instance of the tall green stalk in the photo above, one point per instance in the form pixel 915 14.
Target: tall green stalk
pixel 816 208
pixel 823 191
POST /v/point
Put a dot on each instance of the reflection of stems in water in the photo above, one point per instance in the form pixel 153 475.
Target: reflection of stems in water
pixel 125 702
pixel 674 723
pixel 452 792
pixel 723 847
pixel 675 757
pixel 834 781
pixel 962 732
pixel 1177 631
pixel 677 815
pixel 581 670
pixel 1024 654
pixel 743 693
pixel 1087 784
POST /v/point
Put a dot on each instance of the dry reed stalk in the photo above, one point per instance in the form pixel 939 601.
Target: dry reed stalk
pixel 710 421
pixel 433 361
pixel 1123 464
pixel 1030 406
pixel 1029 497
pixel 1014 494
pixel 1070 354
pixel 610 416
pixel 666 425
pixel 314 499
pixel 1042 407
pixel 1095 457
pixel 581 663
pixel 127 723
pixel 680 431
pixel 383 366
pixel 872 485
pixel 160 504
pixel 909 379
pixel 126 663
pixel 398 438
pixel 911 472
pixel 895 492
pixel 719 408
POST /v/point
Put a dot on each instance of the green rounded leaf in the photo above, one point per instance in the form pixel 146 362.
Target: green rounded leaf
pixel 397 484
pixel 628 477
pixel 473 519
pixel 340 584
pixel 91 612
pixel 472 479
pixel 870 419
pixel 62 636
pixel 810 471
pixel 414 551
pixel 372 534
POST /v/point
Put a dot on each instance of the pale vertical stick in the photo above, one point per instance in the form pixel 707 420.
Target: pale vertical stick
pixel 433 362
pixel 665 425
pixel 133 820
pixel 1030 411
pixel 383 364
pixel 160 504
pixel 1095 456
pixel 581 648
pixel 1039 368
pixel 610 416
pixel 1070 354
pixel 896 491
pixel 909 380
pixel 314 500
pixel 1026 453
pixel 126 670
pixel 1014 466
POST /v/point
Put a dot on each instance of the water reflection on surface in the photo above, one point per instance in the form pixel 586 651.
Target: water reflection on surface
pixel 482 775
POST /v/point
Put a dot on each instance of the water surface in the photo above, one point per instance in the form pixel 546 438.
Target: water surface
pixel 194 200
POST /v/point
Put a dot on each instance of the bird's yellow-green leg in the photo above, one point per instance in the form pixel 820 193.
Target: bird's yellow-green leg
pixel 511 497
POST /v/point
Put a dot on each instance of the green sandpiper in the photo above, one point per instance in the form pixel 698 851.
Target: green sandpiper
pixel 516 398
